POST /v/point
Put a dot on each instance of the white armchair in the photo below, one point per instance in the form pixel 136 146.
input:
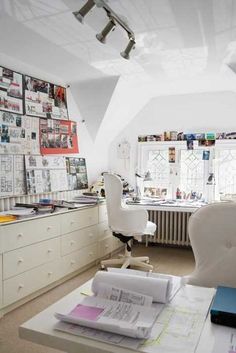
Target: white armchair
pixel 126 224
pixel 212 232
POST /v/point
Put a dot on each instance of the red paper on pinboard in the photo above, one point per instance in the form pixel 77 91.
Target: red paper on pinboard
pixel 58 136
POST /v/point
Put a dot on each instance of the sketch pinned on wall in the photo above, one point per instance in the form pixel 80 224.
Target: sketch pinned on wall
pixel 12 175
pixel 19 175
pixel 19 134
pixel 58 136
pixel 45 174
pixel 6 176
pixel 11 91
pixel 76 173
pixel 44 99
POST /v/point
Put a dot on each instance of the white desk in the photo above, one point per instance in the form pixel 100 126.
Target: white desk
pixel 40 328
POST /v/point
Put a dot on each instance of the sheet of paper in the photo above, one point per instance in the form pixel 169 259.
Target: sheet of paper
pixel 225 340
pixel 158 288
pixel 178 327
pixel 117 294
pixel 174 285
pixel 107 337
pixel 116 317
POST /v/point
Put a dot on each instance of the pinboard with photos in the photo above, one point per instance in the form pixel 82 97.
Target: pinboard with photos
pixel 58 136
pixel 45 174
pixel 76 173
pixel 19 134
pixel 11 91
pixel 44 99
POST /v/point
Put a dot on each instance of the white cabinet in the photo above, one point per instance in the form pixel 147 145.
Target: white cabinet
pixel 37 252
pixel 23 259
pixel 22 233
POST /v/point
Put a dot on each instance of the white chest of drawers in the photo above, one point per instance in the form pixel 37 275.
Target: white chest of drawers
pixel 40 252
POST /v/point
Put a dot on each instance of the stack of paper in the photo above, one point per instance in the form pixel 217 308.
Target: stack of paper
pixel 121 304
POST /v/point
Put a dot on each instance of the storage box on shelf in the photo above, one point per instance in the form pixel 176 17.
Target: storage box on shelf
pixel 38 253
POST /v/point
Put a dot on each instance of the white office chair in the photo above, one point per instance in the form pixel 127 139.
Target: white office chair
pixel 212 232
pixel 125 223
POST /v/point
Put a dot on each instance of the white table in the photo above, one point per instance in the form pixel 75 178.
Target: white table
pixel 40 328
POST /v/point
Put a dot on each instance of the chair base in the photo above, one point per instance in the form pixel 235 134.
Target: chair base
pixel 128 260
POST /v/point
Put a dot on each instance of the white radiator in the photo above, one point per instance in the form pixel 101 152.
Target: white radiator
pixel 172 227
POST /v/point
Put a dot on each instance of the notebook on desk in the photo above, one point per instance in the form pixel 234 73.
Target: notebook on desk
pixel 223 309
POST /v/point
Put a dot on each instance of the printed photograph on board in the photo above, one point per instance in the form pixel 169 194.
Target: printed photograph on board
pixel 76 173
pixel 11 91
pixel 44 99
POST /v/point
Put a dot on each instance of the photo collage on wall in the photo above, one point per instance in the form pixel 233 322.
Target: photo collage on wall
pixel 44 99
pixel 19 134
pixel 34 124
pixel 76 173
pixel 11 91
pixel 58 136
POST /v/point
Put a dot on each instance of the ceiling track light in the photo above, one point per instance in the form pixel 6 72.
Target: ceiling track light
pixel 84 11
pixel 114 20
pixel 109 27
pixel 130 46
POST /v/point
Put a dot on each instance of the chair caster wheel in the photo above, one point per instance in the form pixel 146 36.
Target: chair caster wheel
pixel 102 268
pixel 147 261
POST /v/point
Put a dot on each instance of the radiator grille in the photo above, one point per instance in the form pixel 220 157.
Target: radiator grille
pixel 172 227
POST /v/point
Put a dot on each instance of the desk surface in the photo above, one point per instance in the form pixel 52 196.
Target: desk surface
pixel 40 328
pixel 174 206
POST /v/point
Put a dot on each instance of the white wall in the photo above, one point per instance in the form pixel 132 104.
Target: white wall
pixel 200 112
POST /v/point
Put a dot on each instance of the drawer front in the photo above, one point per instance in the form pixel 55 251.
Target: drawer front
pixel 24 259
pixel 18 287
pixel 78 239
pixel 79 259
pixel 105 246
pixel 21 234
pixel 79 219
pixel 116 243
pixel 104 231
pixel 102 213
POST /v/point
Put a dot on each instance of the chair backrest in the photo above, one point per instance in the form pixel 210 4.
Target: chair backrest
pixel 120 218
pixel 212 232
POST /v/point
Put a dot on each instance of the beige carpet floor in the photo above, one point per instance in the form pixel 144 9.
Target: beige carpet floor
pixel 175 261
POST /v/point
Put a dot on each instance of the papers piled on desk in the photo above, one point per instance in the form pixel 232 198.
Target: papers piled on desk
pixel 121 304
pixel 178 323
pixel 86 199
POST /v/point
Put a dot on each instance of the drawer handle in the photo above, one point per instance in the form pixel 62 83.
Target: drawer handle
pixel 49 250
pixel 106 246
pixel 21 286
pixel 72 222
pixel 20 260
pixel 49 273
pixel 49 227
pixel 72 262
pixel 72 242
pixel 20 235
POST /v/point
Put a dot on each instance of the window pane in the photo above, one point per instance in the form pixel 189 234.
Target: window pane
pixel 226 171
pixel 158 165
pixel 191 171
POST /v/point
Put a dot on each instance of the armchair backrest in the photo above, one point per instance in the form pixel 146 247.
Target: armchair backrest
pixel 212 232
pixel 120 218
